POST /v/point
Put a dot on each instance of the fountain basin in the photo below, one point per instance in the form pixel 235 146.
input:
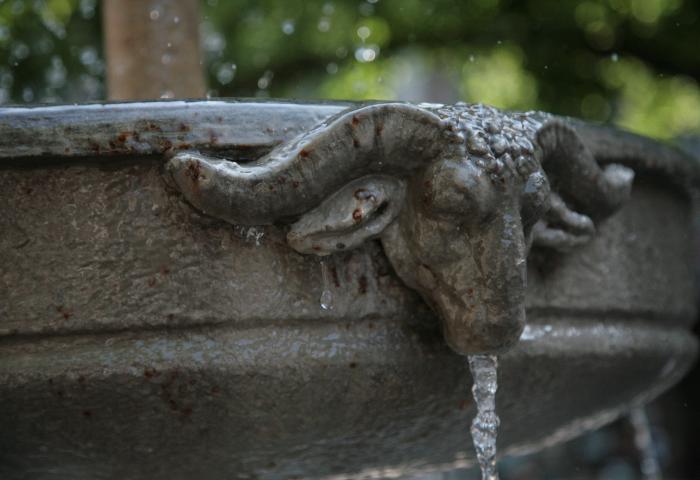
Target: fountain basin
pixel 141 339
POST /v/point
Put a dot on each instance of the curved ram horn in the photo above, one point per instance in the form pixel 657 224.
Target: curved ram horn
pixel 575 174
pixel 296 176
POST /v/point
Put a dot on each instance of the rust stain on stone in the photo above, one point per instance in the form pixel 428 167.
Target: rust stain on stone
pixel 362 285
pixel 334 276
pixel 65 313
pixel 194 171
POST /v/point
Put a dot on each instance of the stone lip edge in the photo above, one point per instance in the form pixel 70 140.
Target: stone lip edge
pixel 564 337
pixel 536 315
pixel 66 133
pixel 107 130
pixel 667 378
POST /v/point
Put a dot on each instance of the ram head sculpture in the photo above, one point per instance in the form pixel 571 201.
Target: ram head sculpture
pixel 456 195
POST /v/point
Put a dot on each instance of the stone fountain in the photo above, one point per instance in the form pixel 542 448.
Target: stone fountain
pixel 163 266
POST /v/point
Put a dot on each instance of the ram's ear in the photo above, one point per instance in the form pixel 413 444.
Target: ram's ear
pixel 359 211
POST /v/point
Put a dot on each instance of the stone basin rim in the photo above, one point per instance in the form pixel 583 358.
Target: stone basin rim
pixel 537 317
pixel 567 337
pixel 674 344
pixel 613 343
pixel 145 128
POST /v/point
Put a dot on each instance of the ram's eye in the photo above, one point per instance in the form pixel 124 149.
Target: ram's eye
pixel 458 190
pixel 534 197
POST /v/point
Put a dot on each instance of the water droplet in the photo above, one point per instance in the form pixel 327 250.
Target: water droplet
pixel 265 80
pixel 332 68
pixel 324 24
pixel 6 80
pixel 56 73
pixel 326 299
pixel 167 94
pixel 87 8
pixel 254 234
pixel 166 58
pixel 226 72
pixel 288 27
pixel 471 58
pixel 27 94
pixel 88 56
pixel 214 42
pixel 328 9
pixel 176 20
pixel 614 57
pixel 20 50
pixel 367 54
pixel 364 32
pixel 155 14
pixel 484 429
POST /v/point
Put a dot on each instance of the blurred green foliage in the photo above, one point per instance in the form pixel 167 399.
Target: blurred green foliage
pixel 632 62
pixel 51 51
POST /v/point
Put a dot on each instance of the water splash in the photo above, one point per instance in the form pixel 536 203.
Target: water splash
pixel 484 427
pixel 326 299
pixel 649 463
pixel 249 234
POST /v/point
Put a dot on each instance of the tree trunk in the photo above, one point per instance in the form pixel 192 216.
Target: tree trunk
pixel 152 49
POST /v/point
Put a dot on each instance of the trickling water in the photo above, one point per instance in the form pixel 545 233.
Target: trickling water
pixel 485 425
pixel 649 463
pixel 326 296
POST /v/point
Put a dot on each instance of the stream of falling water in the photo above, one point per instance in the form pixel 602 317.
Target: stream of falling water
pixel 484 428
pixel 649 463
pixel 326 299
